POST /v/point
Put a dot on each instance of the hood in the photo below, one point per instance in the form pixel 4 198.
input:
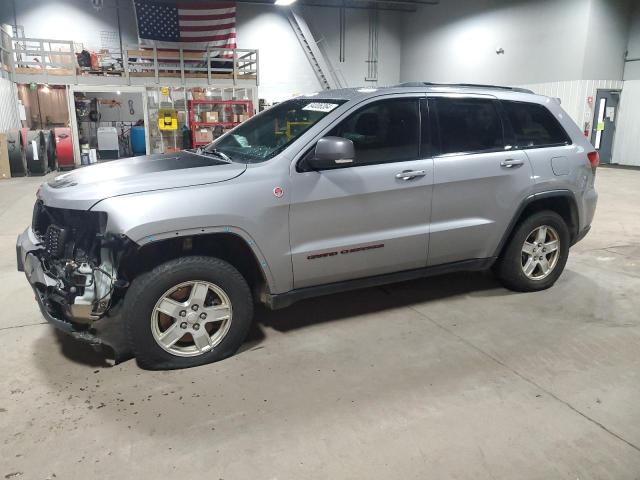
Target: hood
pixel 82 188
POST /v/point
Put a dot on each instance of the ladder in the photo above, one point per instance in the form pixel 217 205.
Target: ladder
pixel 316 59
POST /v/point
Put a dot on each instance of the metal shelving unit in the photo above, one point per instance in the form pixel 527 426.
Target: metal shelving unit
pixel 226 109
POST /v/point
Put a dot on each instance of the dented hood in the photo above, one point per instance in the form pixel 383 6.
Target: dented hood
pixel 82 188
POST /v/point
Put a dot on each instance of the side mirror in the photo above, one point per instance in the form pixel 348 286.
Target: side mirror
pixel 332 152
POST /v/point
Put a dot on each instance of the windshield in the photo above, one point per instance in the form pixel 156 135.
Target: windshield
pixel 267 134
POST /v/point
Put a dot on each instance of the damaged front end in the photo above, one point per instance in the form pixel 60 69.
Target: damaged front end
pixel 71 263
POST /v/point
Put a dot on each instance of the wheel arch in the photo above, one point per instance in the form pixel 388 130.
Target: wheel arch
pixel 563 202
pixel 231 245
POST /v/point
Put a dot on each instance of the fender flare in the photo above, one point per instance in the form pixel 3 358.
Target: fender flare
pixel 563 193
pixel 239 232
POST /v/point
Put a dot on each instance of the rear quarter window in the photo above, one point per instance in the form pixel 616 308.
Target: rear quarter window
pixel 534 126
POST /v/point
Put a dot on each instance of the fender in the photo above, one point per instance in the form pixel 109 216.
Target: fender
pixel 192 232
pixel 563 193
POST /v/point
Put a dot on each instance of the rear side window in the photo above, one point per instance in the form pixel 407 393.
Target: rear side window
pixel 383 132
pixel 468 125
pixel 534 126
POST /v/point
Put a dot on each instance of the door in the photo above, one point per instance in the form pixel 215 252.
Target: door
pixel 604 122
pixel 479 181
pixel 371 217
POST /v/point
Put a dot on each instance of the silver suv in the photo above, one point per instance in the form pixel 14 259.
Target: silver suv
pixel 319 194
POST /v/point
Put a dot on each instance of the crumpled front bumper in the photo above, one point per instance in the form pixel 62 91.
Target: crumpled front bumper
pixel 106 331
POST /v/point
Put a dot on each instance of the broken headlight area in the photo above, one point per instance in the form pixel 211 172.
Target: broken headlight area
pixel 80 257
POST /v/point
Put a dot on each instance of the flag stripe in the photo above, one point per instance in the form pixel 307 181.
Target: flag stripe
pixel 214 24
pixel 210 39
pixel 202 13
pixel 205 6
pixel 218 16
pixel 204 33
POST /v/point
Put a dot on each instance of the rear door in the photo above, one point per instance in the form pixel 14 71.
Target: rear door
pixel 604 124
pixel 479 179
pixel 370 217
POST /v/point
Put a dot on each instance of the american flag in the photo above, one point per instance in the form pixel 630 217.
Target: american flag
pixel 186 24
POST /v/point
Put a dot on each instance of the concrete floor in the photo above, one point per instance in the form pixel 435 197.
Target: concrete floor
pixel 450 377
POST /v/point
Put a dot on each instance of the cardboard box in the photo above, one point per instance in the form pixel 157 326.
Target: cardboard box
pixel 209 117
pixel 5 169
pixel 204 135
pixel 198 95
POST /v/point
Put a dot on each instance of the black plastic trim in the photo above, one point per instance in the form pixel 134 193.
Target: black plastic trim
pixel 581 235
pixel 283 300
pixel 526 202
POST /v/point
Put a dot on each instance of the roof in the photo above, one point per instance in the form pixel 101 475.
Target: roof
pixel 360 93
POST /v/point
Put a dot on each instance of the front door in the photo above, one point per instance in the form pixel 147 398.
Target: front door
pixel 478 180
pixel 604 122
pixel 369 218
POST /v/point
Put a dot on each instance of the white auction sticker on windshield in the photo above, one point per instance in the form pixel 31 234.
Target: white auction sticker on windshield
pixel 320 107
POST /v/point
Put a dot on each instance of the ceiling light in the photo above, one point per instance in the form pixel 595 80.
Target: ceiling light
pixel 118 92
pixel 284 3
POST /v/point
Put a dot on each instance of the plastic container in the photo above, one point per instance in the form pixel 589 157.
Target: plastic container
pixel 138 141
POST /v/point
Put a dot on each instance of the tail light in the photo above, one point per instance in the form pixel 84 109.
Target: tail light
pixel 594 160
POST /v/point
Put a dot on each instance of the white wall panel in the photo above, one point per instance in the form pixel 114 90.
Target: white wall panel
pixel 8 106
pixel 626 144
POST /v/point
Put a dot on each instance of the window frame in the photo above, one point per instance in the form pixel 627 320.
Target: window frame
pixel 507 121
pixel 436 133
pixel 301 164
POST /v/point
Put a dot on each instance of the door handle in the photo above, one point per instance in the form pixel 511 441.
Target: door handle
pixel 410 174
pixel 511 163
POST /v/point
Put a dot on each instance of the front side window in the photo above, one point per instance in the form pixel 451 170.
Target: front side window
pixel 383 131
pixel 468 125
pixel 533 125
pixel 264 136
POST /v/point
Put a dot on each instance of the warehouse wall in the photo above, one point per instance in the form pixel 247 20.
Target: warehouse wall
pixel 324 23
pixel 73 20
pixel 285 70
pixel 626 144
pixel 607 37
pixel 543 40
pixel 632 68
pixel 8 106
pixel 573 95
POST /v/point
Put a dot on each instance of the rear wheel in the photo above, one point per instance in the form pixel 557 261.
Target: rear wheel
pixel 536 254
pixel 187 312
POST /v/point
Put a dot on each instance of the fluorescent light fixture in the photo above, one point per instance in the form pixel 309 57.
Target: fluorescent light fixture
pixel 284 3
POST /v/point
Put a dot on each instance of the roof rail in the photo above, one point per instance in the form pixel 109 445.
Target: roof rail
pixel 463 85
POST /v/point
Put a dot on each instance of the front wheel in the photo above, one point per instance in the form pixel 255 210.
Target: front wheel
pixel 536 254
pixel 187 312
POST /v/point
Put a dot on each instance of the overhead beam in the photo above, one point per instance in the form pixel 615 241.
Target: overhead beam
pixel 388 5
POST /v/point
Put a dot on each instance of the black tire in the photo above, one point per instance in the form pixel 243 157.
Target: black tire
pixel 147 289
pixel 509 269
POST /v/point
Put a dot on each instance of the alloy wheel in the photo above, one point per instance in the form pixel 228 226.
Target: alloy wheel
pixel 540 252
pixel 191 318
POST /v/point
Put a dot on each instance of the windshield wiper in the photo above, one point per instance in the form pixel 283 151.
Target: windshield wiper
pixel 215 152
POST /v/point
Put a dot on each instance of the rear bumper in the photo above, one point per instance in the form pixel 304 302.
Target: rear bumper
pixel 581 235
pixel 105 331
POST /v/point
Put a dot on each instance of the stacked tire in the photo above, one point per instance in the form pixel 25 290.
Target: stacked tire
pixel 36 153
pixel 17 159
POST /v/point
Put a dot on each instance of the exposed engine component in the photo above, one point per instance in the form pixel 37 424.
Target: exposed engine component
pixel 80 258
